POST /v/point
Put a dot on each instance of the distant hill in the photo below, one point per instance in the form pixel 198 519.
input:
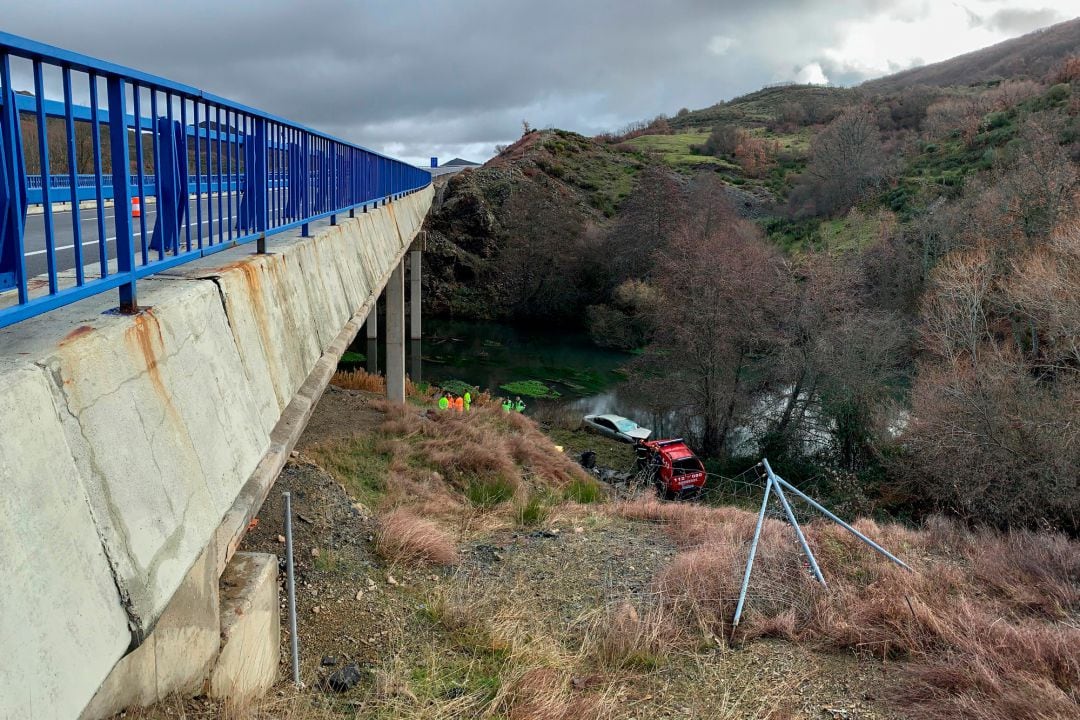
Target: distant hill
pixel 1030 56
pixel 762 106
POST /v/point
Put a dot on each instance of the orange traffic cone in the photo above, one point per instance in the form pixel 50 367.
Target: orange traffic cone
pixel 136 211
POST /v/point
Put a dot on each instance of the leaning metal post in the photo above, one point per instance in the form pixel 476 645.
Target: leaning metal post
pixel 799 533
pixel 781 481
pixel 794 523
pixel 750 557
pixel 291 581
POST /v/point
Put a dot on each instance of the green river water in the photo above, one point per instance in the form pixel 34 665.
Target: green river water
pixel 488 355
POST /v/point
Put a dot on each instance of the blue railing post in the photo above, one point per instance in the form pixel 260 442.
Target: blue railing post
pixel 73 178
pixel 305 170
pixel 294 209
pixel 43 162
pixel 332 172
pixel 258 177
pixel 121 167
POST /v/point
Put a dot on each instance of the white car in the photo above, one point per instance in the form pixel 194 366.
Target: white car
pixel 616 427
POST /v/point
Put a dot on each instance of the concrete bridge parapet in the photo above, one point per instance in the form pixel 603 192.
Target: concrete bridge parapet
pixel 135 449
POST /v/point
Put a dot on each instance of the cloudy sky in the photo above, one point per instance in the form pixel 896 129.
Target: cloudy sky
pixel 416 78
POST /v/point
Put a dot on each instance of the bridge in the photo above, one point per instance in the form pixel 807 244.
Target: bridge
pixel 156 371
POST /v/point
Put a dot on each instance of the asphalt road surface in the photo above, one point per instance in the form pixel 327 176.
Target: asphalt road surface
pixel 34 235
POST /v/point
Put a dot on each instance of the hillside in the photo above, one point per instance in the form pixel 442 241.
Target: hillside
pixel 766 105
pixel 495 232
pixel 807 249
pixel 460 566
pixel 1029 57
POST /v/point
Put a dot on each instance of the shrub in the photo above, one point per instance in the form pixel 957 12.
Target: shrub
pixel 406 538
pixel 1067 71
pixel 723 140
pixel 352 358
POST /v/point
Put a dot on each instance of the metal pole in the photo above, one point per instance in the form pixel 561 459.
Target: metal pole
pixel 841 523
pixel 799 534
pixel 291 583
pixel 750 557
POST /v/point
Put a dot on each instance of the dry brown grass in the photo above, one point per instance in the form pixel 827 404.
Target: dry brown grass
pixel 540 677
pixel 624 638
pixel 359 379
pixel 544 693
pixel 558 416
pixel 405 537
pixel 286 704
pixel 454 450
pixel 987 623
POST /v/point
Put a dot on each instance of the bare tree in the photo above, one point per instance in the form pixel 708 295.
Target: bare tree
pixel 846 160
pixel 646 222
pixel 837 362
pixel 994 434
pixel 719 296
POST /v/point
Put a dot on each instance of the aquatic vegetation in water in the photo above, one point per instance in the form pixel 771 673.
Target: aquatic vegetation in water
pixel 351 358
pixel 457 387
pixel 530 388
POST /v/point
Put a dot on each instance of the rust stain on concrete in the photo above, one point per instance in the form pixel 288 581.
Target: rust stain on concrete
pixel 76 334
pixel 144 338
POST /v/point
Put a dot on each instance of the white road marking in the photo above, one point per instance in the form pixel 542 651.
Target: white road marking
pixel 108 240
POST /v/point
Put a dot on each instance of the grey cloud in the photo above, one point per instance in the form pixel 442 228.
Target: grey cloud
pixel 1021 20
pixel 455 77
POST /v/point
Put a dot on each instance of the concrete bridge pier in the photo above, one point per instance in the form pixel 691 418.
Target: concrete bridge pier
pixel 372 321
pixel 395 334
pixel 414 294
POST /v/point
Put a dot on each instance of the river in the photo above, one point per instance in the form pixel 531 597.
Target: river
pixel 589 379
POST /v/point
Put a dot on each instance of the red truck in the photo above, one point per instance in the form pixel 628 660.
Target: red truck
pixel 675 470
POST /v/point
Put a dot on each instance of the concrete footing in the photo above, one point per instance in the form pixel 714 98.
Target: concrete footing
pixel 177 656
pixel 222 637
pixel 250 628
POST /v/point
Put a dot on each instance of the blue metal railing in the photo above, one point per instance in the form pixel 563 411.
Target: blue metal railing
pixel 223 174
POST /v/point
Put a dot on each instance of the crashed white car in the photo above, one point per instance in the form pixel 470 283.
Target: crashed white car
pixel 616 427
